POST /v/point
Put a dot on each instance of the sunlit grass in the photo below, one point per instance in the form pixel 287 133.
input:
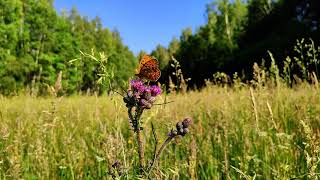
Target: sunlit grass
pixel 232 137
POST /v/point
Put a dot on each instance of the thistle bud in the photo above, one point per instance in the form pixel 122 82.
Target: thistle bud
pixel 130 93
pixel 181 132
pixel 179 125
pixel 147 94
pixel 182 127
pixel 172 133
pixel 186 122
pixel 145 104
pixel 185 130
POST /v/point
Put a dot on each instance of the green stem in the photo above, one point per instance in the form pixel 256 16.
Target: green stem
pixel 159 154
pixel 140 149
pixel 130 116
pixel 137 129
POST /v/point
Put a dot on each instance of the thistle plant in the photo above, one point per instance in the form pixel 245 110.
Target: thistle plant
pixel 141 97
pixel 138 98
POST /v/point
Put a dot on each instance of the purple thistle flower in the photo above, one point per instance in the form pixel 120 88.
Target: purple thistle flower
pixel 136 95
pixel 140 94
pixel 137 85
pixel 147 90
pixel 155 90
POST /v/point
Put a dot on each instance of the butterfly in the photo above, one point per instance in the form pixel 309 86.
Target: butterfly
pixel 148 68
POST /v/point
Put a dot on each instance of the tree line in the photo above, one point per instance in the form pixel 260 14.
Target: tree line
pixel 237 34
pixel 36 43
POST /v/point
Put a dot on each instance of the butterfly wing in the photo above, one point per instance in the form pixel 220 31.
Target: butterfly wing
pixel 150 71
pixel 149 68
pixel 145 58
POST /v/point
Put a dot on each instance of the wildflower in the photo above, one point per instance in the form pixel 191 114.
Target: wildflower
pixel 155 90
pixel 137 86
pixel 141 95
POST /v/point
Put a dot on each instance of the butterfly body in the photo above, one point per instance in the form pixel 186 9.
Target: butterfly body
pixel 148 68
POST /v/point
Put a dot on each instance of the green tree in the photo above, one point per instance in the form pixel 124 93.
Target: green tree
pixel 36 44
pixel 212 46
pixel 162 54
pixel 13 74
pixel 174 46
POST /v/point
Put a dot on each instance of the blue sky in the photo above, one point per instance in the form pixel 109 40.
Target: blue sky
pixel 142 23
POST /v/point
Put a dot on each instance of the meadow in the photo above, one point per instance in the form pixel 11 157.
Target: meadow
pixel 251 69
pixel 237 133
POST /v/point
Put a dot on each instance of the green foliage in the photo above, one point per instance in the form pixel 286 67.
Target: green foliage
pixel 303 64
pixel 39 43
pixel 101 76
pixel 163 56
pixel 239 33
pixel 206 51
pixel 36 44
pixel 298 68
pixel 259 9
pixel 177 82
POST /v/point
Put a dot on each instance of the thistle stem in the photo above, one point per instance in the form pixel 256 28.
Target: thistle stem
pixel 140 149
pixel 137 129
pixel 156 158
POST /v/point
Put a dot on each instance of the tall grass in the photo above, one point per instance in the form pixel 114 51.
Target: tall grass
pixel 276 137
pixel 264 130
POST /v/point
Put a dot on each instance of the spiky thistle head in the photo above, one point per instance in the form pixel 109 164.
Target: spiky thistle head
pixel 141 95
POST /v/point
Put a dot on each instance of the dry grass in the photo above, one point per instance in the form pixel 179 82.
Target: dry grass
pixel 79 137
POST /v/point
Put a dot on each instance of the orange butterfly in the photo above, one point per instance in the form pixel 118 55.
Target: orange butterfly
pixel 148 68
